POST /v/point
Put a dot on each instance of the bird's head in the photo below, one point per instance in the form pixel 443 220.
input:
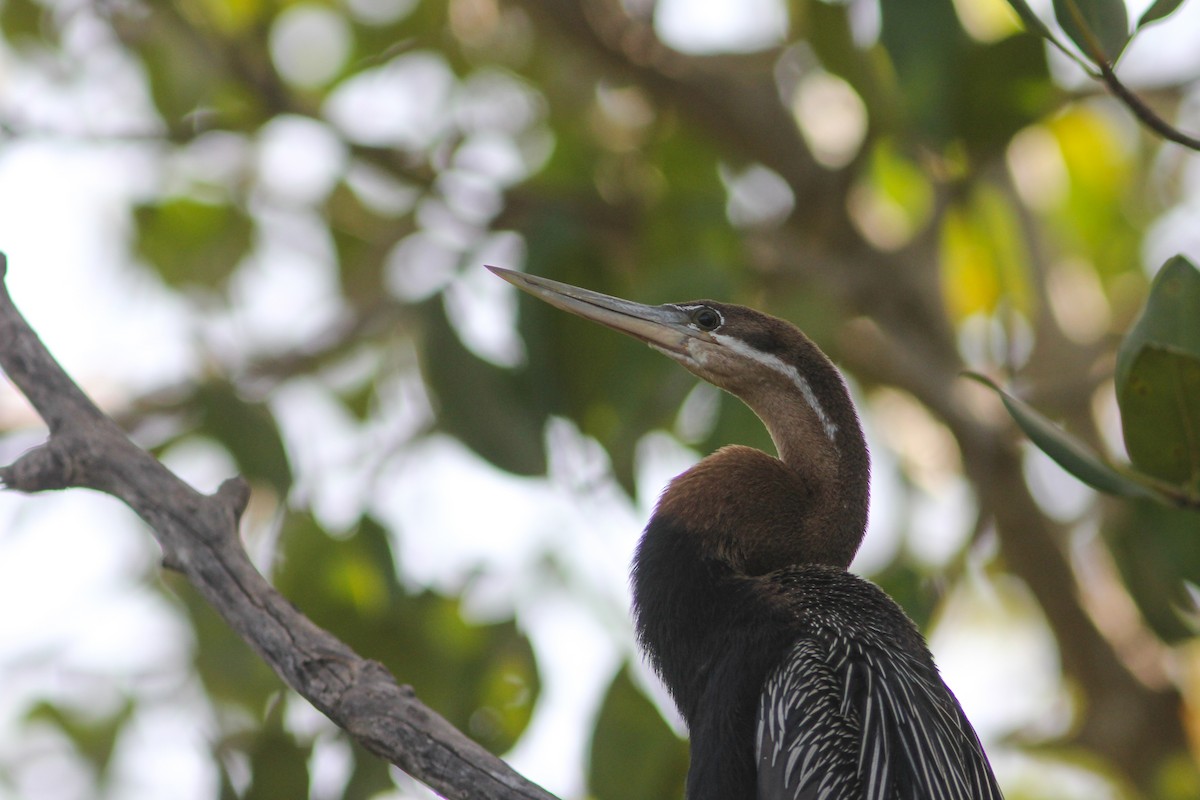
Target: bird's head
pixel 766 362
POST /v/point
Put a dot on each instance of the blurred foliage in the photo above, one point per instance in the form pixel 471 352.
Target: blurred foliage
pixel 196 243
pixel 272 753
pixel 1099 28
pixel 973 213
pixel 1158 393
pixel 984 263
pixel 631 758
pixel 245 427
pixel 481 677
pixel 1158 380
pixel 92 736
pixel 506 429
pixel 1154 546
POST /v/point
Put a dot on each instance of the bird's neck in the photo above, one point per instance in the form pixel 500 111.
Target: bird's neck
pixel 823 450
pixel 755 513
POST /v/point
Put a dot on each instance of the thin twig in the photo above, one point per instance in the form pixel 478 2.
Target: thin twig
pixel 1143 112
pixel 1095 51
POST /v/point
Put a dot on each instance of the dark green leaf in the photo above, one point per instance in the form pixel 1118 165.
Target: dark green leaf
pixel 1160 414
pixel 231 672
pixel 247 429
pixel 911 588
pixel 1169 319
pixel 925 42
pixel 1158 367
pixel 370 777
pixel 1001 87
pixel 363 239
pixel 1157 548
pixel 192 80
pixel 1099 27
pixel 959 90
pixel 831 35
pixel 1070 454
pixel 25 19
pixel 278 761
pixel 192 243
pixel 181 74
pixel 490 409
pixel 635 755
pixel 1158 10
pixel 93 737
pixel 360 400
pixel 1034 24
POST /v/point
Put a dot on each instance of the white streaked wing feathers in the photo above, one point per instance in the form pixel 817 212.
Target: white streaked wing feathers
pixel 843 721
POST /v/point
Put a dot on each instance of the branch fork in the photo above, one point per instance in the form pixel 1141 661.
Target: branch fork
pixel 199 537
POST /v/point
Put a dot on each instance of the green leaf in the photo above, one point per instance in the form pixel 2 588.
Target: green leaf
pixel 1099 27
pixel 192 243
pixel 27 20
pixel 1002 87
pixel 370 777
pixel 1158 10
pixel 1160 415
pixel 1070 454
pixel 1170 319
pixel 1033 23
pixel 490 409
pixel 231 672
pixel 909 586
pixel 1095 220
pixel 192 79
pixel 247 429
pixel 901 183
pixel 634 755
pixel 1158 378
pixel 1156 549
pixel 278 761
pixel 925 42
pixel 363 239
pixel 94 737
pixel 984 261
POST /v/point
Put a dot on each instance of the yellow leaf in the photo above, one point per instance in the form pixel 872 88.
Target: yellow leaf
pixel 983 256
pixel 1098 162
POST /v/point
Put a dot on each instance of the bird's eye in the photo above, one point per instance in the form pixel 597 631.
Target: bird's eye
pixel 706 319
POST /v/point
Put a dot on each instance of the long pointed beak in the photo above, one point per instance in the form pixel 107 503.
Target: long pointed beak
pixel 665 328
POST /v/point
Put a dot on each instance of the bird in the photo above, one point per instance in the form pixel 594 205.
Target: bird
pixel 797 679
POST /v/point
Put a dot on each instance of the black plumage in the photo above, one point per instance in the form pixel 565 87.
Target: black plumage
pixel 796 679
pixel 803 682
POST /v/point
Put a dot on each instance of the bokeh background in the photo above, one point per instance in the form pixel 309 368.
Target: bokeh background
pixel 254 231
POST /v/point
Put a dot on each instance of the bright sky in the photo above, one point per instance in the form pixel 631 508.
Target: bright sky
pixel 78 622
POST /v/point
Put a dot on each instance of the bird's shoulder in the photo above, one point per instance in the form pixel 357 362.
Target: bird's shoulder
pixel 828 603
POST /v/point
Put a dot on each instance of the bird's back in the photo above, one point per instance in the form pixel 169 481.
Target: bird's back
pixel 854 709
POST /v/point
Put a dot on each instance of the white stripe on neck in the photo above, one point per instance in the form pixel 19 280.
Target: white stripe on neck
pixel 786 370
